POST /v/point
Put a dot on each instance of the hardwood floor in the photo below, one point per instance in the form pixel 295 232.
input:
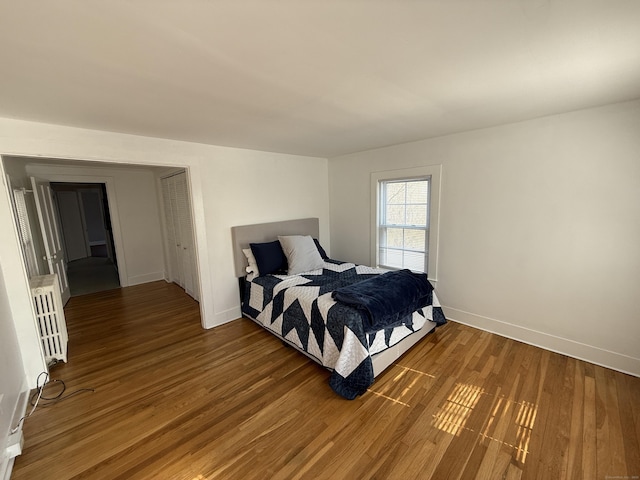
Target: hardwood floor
pixel 174 401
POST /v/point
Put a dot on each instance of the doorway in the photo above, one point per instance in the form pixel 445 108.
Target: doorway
pixel 85 221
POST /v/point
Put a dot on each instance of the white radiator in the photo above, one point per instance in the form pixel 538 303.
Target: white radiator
pixel 50 314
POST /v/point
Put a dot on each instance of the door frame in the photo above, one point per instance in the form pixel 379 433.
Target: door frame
pixel 113 211
pixel 41 143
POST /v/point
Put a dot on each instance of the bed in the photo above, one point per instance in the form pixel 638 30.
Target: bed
pixel 315 304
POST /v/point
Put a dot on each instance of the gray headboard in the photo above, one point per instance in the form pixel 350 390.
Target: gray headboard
pixel 243 235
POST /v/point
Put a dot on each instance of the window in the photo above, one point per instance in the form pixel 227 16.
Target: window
pixel 404 223
pixel 405 207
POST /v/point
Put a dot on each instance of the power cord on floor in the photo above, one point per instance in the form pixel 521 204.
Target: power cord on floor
pixel 37 396
pixel 59 396
pixel 38 393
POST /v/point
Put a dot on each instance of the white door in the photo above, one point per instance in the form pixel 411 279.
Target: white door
pixel 175 215
pixel 51 234
pixel 179 230
pixel 171 239
pixel 186 234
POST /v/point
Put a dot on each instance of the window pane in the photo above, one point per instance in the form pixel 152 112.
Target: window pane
pixel 395 193
pixel 394 237
pixel 395 215
pixel 402 259
pixel 414 239
pixel 417 192
pixel 394 258
pixel 417 215
pixel 414 261
pixel 382 256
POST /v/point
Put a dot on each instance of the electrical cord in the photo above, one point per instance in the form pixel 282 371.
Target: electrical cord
pixel 38 395
pixel 39 389
pixel 59 396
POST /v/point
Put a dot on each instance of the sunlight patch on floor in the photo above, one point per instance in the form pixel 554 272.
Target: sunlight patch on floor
pixel 454 414
pixel 414 370
pixel 386 397
pixel 402 376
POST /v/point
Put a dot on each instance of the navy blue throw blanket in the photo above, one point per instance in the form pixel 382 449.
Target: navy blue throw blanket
pixel 385 300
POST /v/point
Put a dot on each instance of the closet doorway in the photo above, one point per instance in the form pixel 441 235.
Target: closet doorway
pixel 85 222
pixel 180 245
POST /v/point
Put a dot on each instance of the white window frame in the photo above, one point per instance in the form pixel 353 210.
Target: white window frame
pixel 434 173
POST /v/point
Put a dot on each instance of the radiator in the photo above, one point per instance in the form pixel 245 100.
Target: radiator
pixel 50 315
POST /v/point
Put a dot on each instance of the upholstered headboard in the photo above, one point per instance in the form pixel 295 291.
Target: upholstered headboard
pixel 243 235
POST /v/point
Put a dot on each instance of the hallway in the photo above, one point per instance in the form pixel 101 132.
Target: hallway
pixel 92 274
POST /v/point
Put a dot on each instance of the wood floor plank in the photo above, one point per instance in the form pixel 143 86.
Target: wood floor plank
pixel 573 469
pixel 629 423
pixel 604 452
pixel 589 437
pixel 171 400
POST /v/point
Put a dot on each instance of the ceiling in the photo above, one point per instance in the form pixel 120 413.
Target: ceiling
pixel 312 77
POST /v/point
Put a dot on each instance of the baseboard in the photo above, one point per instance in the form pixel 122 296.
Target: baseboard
pixel 225 316
pixel 571 348
pixel 146 278
pixel 14 443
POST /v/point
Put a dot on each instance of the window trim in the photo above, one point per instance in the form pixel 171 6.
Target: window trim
pixel 433 171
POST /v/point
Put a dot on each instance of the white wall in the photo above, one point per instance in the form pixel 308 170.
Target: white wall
pixel 539 228
pixel 229 187
pixel 12 374
pixel 244 189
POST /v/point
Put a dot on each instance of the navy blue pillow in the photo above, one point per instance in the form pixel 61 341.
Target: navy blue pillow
pixel 323 254
pixel 269 257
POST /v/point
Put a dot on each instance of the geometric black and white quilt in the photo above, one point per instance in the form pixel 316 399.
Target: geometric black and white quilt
pixel 301 310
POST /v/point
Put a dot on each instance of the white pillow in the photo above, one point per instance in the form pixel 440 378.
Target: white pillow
pixel 253 266
pixel 301 252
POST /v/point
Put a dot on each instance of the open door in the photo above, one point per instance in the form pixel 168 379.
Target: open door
pixel 51 234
